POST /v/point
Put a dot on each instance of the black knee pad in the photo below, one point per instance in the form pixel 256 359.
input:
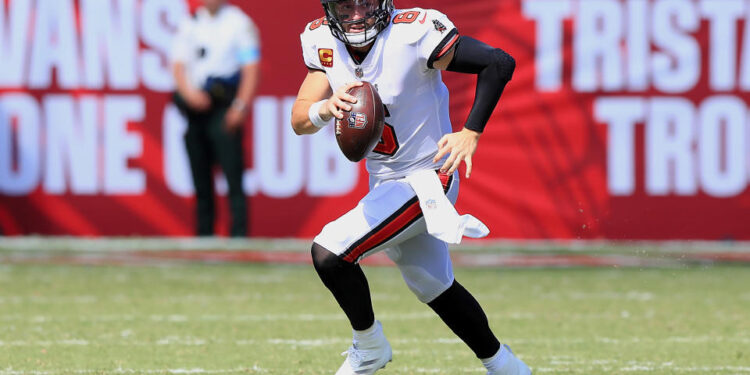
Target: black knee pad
pixel 324 260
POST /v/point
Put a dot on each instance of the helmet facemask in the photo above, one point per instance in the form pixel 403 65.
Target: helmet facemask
pixel 364 19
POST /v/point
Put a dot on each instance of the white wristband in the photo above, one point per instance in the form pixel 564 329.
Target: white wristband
pixel 314 114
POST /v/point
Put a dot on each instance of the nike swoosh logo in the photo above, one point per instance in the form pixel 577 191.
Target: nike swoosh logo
pixel 423 18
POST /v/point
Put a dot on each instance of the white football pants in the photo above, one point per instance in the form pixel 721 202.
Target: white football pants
pixel 389 218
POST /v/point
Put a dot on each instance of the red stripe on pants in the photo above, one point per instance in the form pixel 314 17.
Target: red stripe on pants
pixel 384 233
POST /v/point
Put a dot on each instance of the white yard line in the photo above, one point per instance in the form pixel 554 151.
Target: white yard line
pixel 254 369
pixel 273 317
pixel 428 370
pixel 178 318
pixel 579 368
pixel 647 368
pixel 80 299
pixel 327 341
pixel 632 295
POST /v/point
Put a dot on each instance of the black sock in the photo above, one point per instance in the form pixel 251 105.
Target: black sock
pixel 462 313
pixel 348 284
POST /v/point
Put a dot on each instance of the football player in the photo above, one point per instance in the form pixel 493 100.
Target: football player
pixel 401 52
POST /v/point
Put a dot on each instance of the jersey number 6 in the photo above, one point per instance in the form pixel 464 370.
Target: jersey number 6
pixel 388 144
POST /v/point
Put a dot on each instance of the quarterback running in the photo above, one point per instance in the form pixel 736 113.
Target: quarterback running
pixel 408 212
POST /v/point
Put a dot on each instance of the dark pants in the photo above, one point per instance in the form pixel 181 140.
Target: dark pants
pixel 209 143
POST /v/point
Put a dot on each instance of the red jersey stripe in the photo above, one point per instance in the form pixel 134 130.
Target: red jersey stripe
pixel 447 47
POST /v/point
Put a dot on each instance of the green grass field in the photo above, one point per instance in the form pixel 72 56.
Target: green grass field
pixel 272 319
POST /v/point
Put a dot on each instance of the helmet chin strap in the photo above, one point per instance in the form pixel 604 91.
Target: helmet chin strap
pixel 358 39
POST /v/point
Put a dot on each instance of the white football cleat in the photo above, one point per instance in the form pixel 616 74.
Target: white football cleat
pixel 511 365
pixel 367 358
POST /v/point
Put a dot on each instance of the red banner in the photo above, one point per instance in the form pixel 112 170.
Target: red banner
pixel 625 119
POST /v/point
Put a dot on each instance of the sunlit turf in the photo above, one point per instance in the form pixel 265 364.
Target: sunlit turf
pixel 273 319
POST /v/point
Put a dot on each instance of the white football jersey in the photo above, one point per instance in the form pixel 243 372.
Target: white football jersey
pixel 400 66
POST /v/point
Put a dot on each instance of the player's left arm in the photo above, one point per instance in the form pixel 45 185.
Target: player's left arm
pixel 494 68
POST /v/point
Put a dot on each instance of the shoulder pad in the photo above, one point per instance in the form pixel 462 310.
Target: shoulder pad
pixel 316 24
pixel 412 24
pixel 315 31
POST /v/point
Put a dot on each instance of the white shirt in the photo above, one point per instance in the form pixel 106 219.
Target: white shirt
pixel 215 45
pixel 413 93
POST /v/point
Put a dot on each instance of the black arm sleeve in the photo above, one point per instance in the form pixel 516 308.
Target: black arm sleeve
pixel 494 68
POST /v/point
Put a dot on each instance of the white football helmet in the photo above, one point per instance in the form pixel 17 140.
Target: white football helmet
pixel 369 16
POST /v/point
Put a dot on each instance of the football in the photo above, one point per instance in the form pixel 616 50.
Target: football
pixel 361 128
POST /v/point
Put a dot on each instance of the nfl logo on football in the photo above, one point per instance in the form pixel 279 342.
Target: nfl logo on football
pixel 357 120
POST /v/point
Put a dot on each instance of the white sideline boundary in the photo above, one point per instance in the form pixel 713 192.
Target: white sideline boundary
pixel 124 244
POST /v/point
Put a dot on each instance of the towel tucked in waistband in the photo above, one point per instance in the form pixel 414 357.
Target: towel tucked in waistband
pixel 443 222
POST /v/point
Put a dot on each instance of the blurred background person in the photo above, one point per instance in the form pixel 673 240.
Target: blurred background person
pixel 215 62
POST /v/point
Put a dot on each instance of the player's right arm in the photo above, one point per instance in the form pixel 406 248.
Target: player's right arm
pixel 315 88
